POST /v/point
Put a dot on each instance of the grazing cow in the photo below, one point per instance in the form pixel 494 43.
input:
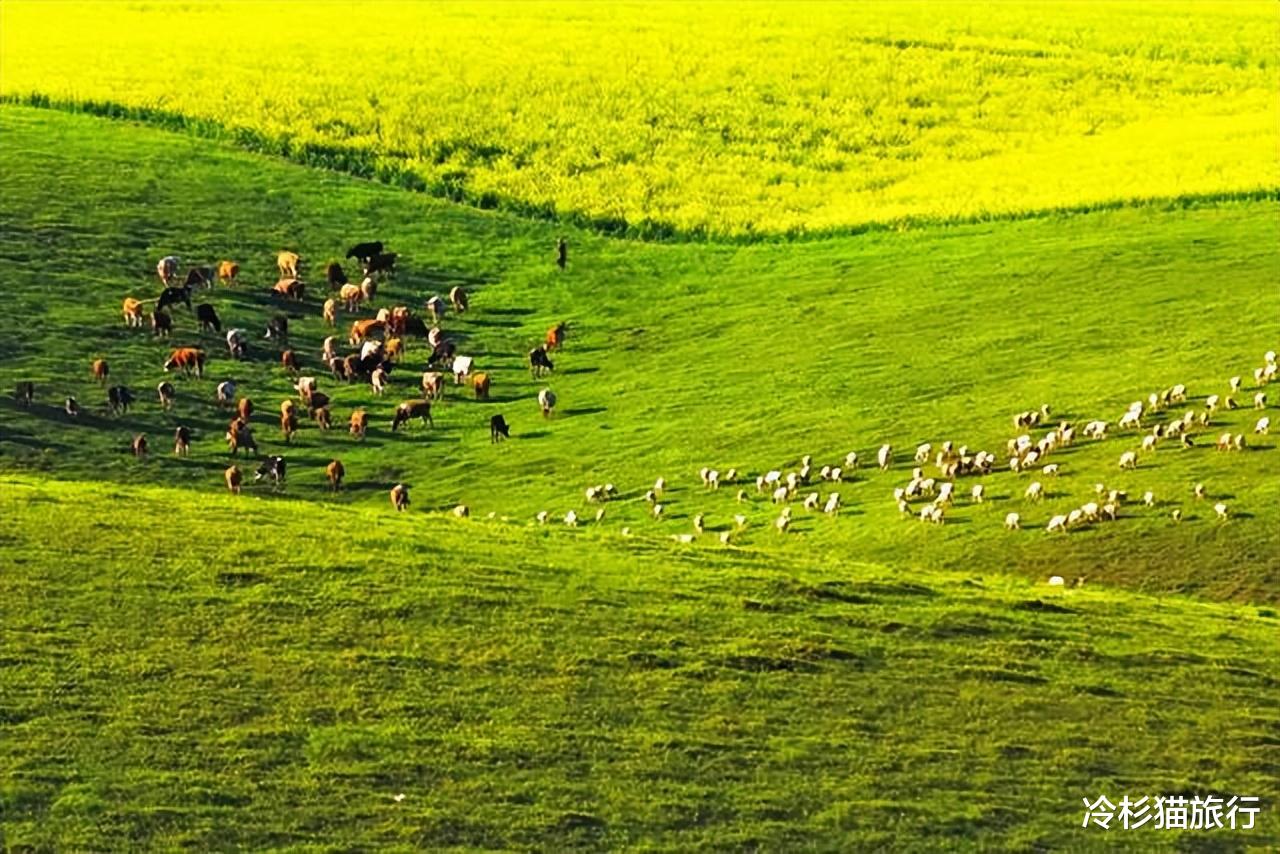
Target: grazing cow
pixel 335 275
pixel 315 401
pixel 362 252
pixel 383 262
pixel 199 277
pixel 539 362
pixel 119 399
pixel 338 367
pixel 274 468
pixel 71 407
pixel 25 392
pixel 208 318
pixel 188 359
pixel 362 329
pixel 335 472
pixel 133 313
pixel 287 263
pixel 287 407
pixel 395 349
pixel 167 268
pixel 278 327
pixel 174 296
pixel 415 326
pixel 433 385
pixel 458 298
pixel 444 353
pixel 167 395
pixel 556 336
pixel 290 288
pixel 234 477
pixel 321 415
pixel 227 272
pixel 368 289
pixel 330 312
pixel 237 343
pixel 412 409
pixel 397 320
pixel 562 253
pixel 350 367
pixel 244 408
pixel 240 435
pixel 139 445
pixel 330 348
pixel 359 423
pixel 161 324
pixel 225 393
pixel 498 429
pixel 371 353
pixel 101 370
pixel 481 383
pixel 547 400
pixel 399 497
pixel 182 441
pixel 289 361
pixel 351 297
pixel 378 379
pixel 288 424
pixel 435 308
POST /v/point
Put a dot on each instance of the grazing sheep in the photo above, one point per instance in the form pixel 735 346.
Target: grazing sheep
pixel 1090 510
pixel 698 523
pixel 1050 470
pixel 378 379
pixel 1149 498
pixel 659 486
pixel 1221 510
pixel 782 523
pixel 1211 403
pixel 139 445
pixel 400 497
pixel 1128 460
pixel 742 495
pixel 1234 382
pixel 1263 426
pixel 1012 521
pixel 977 493
pixel 903 507
pixel 1176 515
pixel 811 501
pixel 1237 442
pixel 1056 581
pixel 833 503
pixel 599 515
pixel 1224 442
pixel 1075 517
pixel 923 451
pixel 1057 523
pixel 1109 510
pixel 1034 491
pixel 458 298
pixel 945 493
pixel 542 517
pixel 885 457
pixel 571 519
pixel 851 460
pixel 780 495
pixel 657 511
pixel 226 393
pixel 651 496
pixel 1149 443
pixel 1198 491
pixel 1260 400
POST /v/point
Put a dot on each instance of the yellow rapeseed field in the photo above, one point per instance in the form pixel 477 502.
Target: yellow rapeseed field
pixel 715 119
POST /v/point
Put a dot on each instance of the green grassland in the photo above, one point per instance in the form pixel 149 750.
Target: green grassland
pixel 219 673
pixel 657 119
pixel 680 357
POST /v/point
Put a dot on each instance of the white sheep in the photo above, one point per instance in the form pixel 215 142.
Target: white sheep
pixel 923 451
pixel 780 495
pixel 1109 510
pixel 977 493
pixel 1269 357
pixel 811 501
pixel 1176 515
pixel 1057 523
pixel 651 497
pixel 1034 491
pixel 713 479
pixel 698 523
pixel 1050 470
pixel 599 515
pixel 657 511
pixel 1012 521
pixel 1263 425
pixel 782 523
pixel 1131 418
pixel 725 537
pixel 1178 393
pixel 1234 382
pixel 571 519
pixel 542 517
pixel 945 492
pixel 1224 442
pixel 1149 443
pixel 1211 403
pixel 825 473
pixel 903 507
pixel 1074 518
pixel 1260 400
pixel 462 511
pixel 851 460
pixel 1149 498
pixel 742 495
pixel 1056 581
pixel 1221 510
pixel 837 474
pixel 1090 510
pixel 885 457
pixel 1128 460
pixel 740 520
pixel 731 475
pixel 833 503
pixel 1198 491
pixel 659 485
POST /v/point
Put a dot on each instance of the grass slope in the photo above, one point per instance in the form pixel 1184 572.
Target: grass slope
pixel 680 357
pixel 695 120
pixel 239 673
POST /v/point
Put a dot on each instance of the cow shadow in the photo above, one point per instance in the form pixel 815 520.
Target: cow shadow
pixel 531 434
pixel 585 410
pixel 573 371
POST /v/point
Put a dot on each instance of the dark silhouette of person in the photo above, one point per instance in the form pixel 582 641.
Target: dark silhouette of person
pixel 562 253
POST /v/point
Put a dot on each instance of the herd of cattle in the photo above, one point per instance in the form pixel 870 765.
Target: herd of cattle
pixel 380 343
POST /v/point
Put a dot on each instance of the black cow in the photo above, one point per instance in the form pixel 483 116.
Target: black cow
pixel 182 440
pixel 200 277
pixel 381 264
pixel 26 392
pixel 274 468
pixel 208 317
pixel 119 399
pixel 71 408
pixel 498 429
pixel 278 327
pixel 335 275
pixel 539 361
pixel 364 251
pixel 414 325
pixel 173 296
pixel 161 324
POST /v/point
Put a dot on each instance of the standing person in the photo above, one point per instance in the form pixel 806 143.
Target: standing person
pixel 562 253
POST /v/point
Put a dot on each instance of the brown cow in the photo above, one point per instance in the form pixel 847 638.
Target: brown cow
pixel 433 384
pixel 101 370
pixel 289 361
pixel 140 445
pixel 481 383
pixel 199 277
pixel 331 312
pixel 556 336
pixel 368 290
pixel 336 472
pixel 233 476
pixel 227 272
pixel 288 423
pixel 188 359
pixel 182 441
pixel 288 407
pixel 412 409
pixel 395 349
pixel 351 296
pixel 399 497
pixel 240 435
pixel 362 329
pixel 321 415
pixel 244 407
pixel 287 262
pixel 335 275
pixel 291 288
pixel 458 297
pixel 359 423
pixel 133 313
